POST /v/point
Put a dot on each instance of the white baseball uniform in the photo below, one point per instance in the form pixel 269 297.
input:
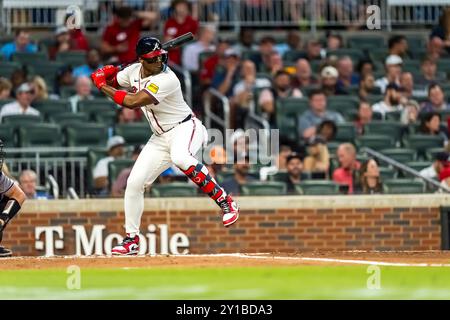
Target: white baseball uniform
pixel 173 141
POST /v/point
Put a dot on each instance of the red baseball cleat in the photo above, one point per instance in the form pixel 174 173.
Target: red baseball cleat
pixel 128 247
pixel 230 211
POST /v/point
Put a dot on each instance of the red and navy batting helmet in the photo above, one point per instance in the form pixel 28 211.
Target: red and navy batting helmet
pixel 149 47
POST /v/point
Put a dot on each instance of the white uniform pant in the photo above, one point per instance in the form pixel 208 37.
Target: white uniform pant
pixel 176 146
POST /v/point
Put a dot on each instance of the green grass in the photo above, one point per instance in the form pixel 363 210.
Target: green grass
pixel 306 282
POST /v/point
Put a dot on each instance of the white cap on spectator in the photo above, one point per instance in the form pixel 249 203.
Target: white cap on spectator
pixel 24 87
pixel 329 72
pixel 115 141
pixel 393 59
pixel 230 52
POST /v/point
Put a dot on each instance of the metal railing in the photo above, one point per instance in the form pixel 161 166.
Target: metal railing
pixel 65 171
pixel 308 14
pixel 405 169
pixel 223 106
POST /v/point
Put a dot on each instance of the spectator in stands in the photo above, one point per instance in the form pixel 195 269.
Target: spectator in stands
pixel 369 178
pixel 428 69
pixel 393 67
pixel 294 168
pixel 224 78
pixel 347 76
pixel 39 87
pixel 293 42
pixel 318 159
pixel 243 91
pixel 444 178
pixel 348 165
pixel 210 64
pixel 18 77
pixel 78 40
pixel 365 67
pixel 127 115
pixel 266 48
pixel 64 78
pixel 93 62
pixel 178 24
pixel 364 116
pixel 436 100
pixel 431 125
pixel 334 42
pixel 120 38
pixel 83 87
pixel 407 86
pixel 442 30
pixel 28 184
pixel 309 119
pixel 282 88
pixel 191 52
pixel 273 63
pixel 391 101
pixel 240 177
pixel 303 74
pixel 313 50
pixel 435 48
pixel 22 105
pixel 62 42
pixel 398 45
pixel 119 185
pixel 327 130
pixel 367 86
pixel 441 161
pixel 329 82
pixel 5 88
pixel 21 43
pixel 246 41
pixel 116 150
pixel 410 113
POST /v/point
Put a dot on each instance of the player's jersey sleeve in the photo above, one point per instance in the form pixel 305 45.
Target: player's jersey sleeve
pixel 123 77
pixel 162 85
pixel 5 183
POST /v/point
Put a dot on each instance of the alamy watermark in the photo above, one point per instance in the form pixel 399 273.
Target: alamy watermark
pixel 73 281
pixel 374 279
pixel 373 21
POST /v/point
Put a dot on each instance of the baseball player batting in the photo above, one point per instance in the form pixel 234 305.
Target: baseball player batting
pixel 177 134
pixel 12 198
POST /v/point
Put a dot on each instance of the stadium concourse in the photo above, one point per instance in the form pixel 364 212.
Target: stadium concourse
pixel 331 93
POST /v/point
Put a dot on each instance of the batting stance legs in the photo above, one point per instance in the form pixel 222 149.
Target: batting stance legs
pixel 176 146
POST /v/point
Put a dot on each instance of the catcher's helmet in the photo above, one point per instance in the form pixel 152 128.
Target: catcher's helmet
pixel 148 48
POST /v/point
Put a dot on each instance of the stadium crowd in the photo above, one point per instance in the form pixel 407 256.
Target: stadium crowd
pixel 329 97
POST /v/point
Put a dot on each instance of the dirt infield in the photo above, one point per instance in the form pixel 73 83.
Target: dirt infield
pixel 428 258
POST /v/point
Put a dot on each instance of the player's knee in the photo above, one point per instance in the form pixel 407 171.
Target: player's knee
pixel 180 160
pixel 134 185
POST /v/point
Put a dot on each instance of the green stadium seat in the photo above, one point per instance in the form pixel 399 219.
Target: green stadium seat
pixel 403 186
pixel 343 104
pixel 86 135
pixel 51 107
pixel 418 165
pixel 411 65
pixel 47 69
pixel 317 187
pixel 374 98
pixel 40 135
pixel 422 142
pixel 390 128
pixel 72 58
pixel 174 189
pixel 400 155
pixel 288 111
pixel 95 106
pixel 365 42
pixel 68 118
pixel 378 54
pixel 134 133
pixel 332 147
pixel 375 141
pixel 29 58
pixel 266 188
pixel 7 68
pixel 293 55
pixel 354 54
pixel 432 152
pixel 224 175
pixel 444 65
pixel 107 117
pixel 67 91
pixel 21 119
pixel 115 167
pixel 346 132
pixel 393 116
pixel 7 134
pixel 387 173
pixel 416 41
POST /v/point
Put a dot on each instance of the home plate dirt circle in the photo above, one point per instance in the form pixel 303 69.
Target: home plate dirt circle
pixel 322 258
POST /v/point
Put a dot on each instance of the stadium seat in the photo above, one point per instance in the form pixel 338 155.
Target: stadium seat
pixel 343 104
pixel 390 128
pixel 432 152
pixel 40 135
pixel 46 69
pixel 29 58
pixel 288 111
pixel 411 65
pixel 317 187
pixel 173 189
pixel 134 133
pixel 21 119
pixel 422 142
pixel 403 186
pixel 444 65
pixel 387 173
pixel 95 106
pixel 365 42
pixel 107 117
pixel 293 55
pixel 68 118
pixel 115 167
pixel 374 98
pixel 375 141
pixel 332 147
pixel 86 135
pixel 72 58
pixel 354 54
pixel 266 188
pixel 399 154
pixel 418 165
pixel 378 54
pixel 51 107
pixel 7 68
pixel 346 132
pixel 67 91
pixel 7 135
pixel 393 116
